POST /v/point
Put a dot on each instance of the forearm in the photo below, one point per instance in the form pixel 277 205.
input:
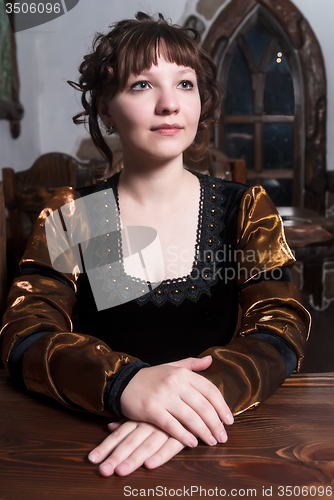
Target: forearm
pixel 39 347
pixel 246 371
pixel 252 366
pixel 72 368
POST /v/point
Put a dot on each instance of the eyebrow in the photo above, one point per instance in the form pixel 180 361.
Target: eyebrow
pixel 181 71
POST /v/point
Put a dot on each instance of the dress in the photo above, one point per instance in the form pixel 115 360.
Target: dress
pixel 238 304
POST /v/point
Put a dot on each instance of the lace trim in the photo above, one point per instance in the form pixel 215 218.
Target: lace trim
pixel 208 242
pixel 203 276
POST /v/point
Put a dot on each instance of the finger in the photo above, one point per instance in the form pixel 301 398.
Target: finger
pixel 207 425
pixel 167 422
pixel 202 412
pixel 143 452
pixel 194 364
pixel 208 389
pixel 205 387
pixel 166 452
pixel 213 395
pixel 126 453
pixel 114 425
pixel 110 442
pixel 195 420
pixel 182 422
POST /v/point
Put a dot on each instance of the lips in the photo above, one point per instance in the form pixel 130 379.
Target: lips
pixel 167 128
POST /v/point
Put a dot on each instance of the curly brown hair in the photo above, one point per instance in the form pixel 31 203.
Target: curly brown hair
pixel 132 46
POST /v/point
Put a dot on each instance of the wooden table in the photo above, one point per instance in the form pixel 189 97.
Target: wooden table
pixel 304 227
pixel 274 451
pixel 311 237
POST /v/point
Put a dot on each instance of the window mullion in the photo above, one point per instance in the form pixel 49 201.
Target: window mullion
pixel 258 147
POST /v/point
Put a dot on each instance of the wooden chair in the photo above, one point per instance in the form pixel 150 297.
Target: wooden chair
pixel 27 192
pixel 217 164
pixel 3 264
pixel 220 163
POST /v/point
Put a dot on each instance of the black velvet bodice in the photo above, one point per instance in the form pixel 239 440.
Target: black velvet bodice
pixel 180 317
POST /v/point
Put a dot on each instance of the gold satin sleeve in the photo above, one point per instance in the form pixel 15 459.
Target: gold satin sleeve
pixel 67 366
pixel 248 370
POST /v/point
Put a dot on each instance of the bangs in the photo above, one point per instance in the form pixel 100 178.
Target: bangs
pixel 139 50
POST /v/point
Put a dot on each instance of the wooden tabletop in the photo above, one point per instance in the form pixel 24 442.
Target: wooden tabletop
pixel 283 449
pixel 304 227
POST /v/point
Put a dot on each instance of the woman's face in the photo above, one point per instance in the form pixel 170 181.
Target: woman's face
pixel 157 113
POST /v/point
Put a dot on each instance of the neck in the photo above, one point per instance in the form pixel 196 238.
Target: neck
pixel 155 184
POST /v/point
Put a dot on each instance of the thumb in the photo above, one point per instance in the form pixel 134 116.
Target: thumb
pixel 194 364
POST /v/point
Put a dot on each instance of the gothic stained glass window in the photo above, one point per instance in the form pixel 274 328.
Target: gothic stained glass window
pixel 259 111
pixel 239 94
pixel 279 97
pixel 277 146
pixel 258 38
pixel 239 140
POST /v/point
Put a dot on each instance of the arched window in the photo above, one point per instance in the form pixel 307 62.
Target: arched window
pixel 273 113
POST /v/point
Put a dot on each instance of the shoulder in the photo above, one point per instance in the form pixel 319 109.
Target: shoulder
pixel 61 196
pixel 257 198
pixel 237 196
pixel 229 187
pixel 260 230
pixel 228 193
pixel 100 185
pixel 53 229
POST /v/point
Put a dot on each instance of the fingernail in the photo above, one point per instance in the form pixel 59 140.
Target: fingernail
pixel 229 419
pixel 123 468
pixel 193 443
pixel 106 469
pixel 93 456
pixel 223 437
pixel 212 440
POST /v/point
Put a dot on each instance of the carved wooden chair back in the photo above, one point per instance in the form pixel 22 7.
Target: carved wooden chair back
pixel 217 164
pixel 27 192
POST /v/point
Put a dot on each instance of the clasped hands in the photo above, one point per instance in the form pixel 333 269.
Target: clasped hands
pixel 166 408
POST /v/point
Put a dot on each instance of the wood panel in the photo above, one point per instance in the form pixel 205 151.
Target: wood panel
pixel 287 441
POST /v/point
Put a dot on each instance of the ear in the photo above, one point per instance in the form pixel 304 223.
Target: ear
pixel 103 110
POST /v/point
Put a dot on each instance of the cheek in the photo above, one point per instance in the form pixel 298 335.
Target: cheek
pixel 124 121
pixel 195 108
pixel 126 117
pixel 194 113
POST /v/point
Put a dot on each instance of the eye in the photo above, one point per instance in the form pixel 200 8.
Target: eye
pixel 142 85
pixel 185 85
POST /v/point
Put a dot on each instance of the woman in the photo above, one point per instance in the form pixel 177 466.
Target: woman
pixel 168 294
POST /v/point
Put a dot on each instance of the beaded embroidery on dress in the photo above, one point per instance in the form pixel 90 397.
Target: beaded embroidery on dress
pixel 208 242
pixel 120 287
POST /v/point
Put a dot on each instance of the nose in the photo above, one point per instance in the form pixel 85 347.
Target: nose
pixel 168 103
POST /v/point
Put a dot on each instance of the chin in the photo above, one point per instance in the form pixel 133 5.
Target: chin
pixel 168 153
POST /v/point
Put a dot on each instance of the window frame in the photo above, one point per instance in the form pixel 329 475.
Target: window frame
pixel 309 78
